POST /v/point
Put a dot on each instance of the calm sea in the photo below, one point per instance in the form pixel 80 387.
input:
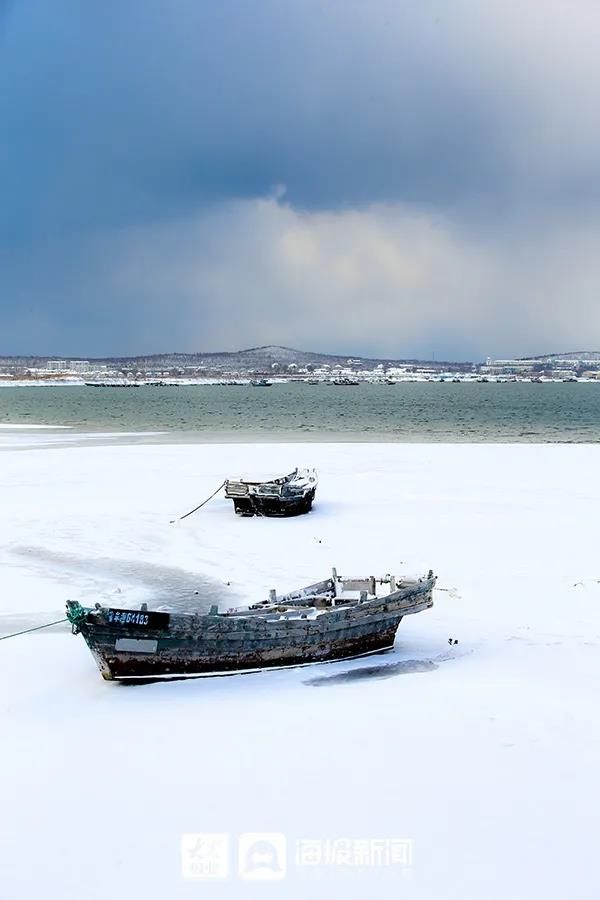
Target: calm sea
pixel 402 412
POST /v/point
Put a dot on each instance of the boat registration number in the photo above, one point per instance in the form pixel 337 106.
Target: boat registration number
pixel 136 619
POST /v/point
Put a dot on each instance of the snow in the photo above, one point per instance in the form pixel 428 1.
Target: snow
pixel 29 427
pixel 36 437
pixel 482 753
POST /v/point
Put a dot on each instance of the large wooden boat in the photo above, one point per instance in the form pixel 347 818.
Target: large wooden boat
pixel 333 619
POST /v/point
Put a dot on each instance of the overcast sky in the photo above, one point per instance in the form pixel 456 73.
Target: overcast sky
pixel 384 177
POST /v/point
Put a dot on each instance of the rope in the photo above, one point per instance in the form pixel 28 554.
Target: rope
pixel 27 630
pixel 200 504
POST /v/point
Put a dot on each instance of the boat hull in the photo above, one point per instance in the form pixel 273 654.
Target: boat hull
pixel 188 645
pixel 256 505
pixel 176 662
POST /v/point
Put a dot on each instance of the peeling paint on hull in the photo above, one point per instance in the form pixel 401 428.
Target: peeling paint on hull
pixel 188 645
pixel 171 662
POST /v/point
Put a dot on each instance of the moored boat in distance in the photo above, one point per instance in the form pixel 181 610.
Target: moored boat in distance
pixel 261 382
pixel 344 381
pixel 338 618
pixel 113 384
pixel 286 495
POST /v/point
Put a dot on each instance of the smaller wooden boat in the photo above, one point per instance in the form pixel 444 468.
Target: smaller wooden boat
pixel 288 495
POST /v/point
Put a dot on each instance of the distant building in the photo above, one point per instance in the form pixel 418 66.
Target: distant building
pixel 507 366
pixel 78 366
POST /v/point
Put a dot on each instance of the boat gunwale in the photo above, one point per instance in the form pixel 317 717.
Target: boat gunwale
pixel 258 623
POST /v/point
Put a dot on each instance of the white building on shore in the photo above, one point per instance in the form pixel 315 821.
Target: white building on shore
pixel 77 366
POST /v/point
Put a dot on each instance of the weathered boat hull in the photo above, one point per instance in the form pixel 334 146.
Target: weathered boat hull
pixel 256 505
pixel 131 667
pixel 186 645
pixel 177 661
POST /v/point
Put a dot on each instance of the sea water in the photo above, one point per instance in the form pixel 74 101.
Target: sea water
pixel 424 412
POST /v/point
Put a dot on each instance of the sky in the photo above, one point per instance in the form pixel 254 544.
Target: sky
pixel 377 177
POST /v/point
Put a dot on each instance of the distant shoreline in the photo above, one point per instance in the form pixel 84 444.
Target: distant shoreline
pixel 246 381
pixel 42 437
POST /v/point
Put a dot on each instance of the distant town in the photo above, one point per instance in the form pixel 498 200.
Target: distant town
pixel 272 364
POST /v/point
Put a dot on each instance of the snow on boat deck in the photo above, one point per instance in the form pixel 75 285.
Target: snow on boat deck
pixel 482 753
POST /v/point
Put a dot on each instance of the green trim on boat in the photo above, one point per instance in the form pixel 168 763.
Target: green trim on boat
pixel 76 614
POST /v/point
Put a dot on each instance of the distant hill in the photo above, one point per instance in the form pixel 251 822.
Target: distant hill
pixel 251 360
pixel 589 355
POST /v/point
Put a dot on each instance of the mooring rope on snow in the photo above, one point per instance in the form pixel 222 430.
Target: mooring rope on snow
pixel 204 502
pixel 37 628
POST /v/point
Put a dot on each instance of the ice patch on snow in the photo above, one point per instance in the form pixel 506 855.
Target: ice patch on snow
pixel 126 583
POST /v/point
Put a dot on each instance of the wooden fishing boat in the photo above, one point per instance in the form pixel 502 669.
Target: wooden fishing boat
pixel 287 495
pixel 333 619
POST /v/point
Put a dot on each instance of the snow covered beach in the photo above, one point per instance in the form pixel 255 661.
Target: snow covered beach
pixel 482 754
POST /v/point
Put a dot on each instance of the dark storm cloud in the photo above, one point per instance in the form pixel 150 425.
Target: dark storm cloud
pixel 124 111
pixel 434 157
